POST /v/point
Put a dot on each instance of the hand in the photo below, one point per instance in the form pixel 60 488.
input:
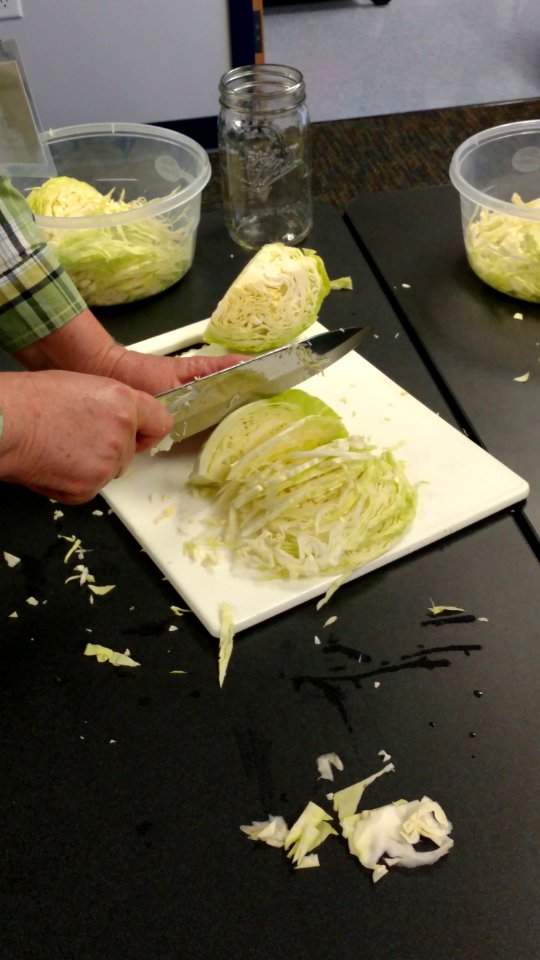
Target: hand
pixel 84 345
pixel 65 435
pixel 156 374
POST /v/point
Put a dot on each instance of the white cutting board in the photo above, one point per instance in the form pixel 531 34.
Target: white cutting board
pixel 461 485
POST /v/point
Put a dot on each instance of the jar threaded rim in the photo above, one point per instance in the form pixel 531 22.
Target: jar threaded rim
pixel 265 86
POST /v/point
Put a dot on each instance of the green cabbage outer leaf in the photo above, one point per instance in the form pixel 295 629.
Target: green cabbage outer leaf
pixel 504 251
pixel 291 508
pixel 273 300
pixel 117 264
pixel 248 429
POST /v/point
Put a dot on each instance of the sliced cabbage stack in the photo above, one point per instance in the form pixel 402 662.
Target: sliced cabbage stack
pixel 273 300
pixel 304 499
pixel 117 263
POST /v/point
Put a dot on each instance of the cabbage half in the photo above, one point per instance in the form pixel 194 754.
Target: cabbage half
pixel 247 430
pixel 505 251
pixel 274 299
pixel 115 264
pixel 305 503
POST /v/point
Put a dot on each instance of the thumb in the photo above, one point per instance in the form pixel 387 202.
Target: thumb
pixel 153 421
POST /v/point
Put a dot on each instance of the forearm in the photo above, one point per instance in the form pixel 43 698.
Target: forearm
pixel 81 345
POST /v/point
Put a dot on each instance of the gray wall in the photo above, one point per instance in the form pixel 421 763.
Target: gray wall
pixel 122 60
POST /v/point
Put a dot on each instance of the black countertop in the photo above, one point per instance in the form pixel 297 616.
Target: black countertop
pixel 467 332
pixel 123 790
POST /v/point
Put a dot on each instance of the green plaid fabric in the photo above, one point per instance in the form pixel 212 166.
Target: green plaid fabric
pixel 36 294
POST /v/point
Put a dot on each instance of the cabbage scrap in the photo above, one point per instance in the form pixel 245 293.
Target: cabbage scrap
pixel 308 832
pixel 273 300
pixel 106 655
pixel 380 838
pixel 118 263
pixel 310 860
pixel 346 801
pixel 11 559
pixel 272 831
pixel 437 609
pixel 226 639
pixel 391 830
pixel 390 833
pixel 325 763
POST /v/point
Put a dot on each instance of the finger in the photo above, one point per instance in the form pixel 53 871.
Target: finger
pixel 189 368
pixel 153 420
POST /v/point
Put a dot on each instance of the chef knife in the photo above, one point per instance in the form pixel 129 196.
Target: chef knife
pixel 203 402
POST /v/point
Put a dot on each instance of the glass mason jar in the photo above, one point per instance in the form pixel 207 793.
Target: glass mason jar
pixel 263 132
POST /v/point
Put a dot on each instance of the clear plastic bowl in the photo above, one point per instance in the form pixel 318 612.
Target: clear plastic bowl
pixel 502 237
pixel 125 256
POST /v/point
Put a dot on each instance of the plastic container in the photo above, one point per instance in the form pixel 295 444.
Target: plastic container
pixel 120 257
pixel 497 174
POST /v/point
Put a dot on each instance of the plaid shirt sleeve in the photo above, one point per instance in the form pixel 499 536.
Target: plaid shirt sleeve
pixel 36 294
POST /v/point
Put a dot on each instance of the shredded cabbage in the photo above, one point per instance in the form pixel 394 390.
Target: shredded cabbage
pixel 307 501
pixel 274 299
pixel 505 251
pixel 120 263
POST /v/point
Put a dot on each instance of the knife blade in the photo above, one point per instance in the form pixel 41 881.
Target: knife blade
pixel 203 402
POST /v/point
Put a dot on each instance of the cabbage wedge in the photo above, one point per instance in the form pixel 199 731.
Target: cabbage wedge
pixel 246 432
pixel 273 300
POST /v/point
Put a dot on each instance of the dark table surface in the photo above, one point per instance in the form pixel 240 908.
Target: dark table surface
pixel 466 331
pixel 122 791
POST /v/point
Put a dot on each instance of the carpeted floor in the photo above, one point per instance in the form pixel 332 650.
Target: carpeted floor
pixel 390 152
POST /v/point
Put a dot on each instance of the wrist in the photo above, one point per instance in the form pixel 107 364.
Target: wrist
pixel 82 345
pixel 20 414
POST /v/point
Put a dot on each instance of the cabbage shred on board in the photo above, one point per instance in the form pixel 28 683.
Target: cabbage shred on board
pixel 273 300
